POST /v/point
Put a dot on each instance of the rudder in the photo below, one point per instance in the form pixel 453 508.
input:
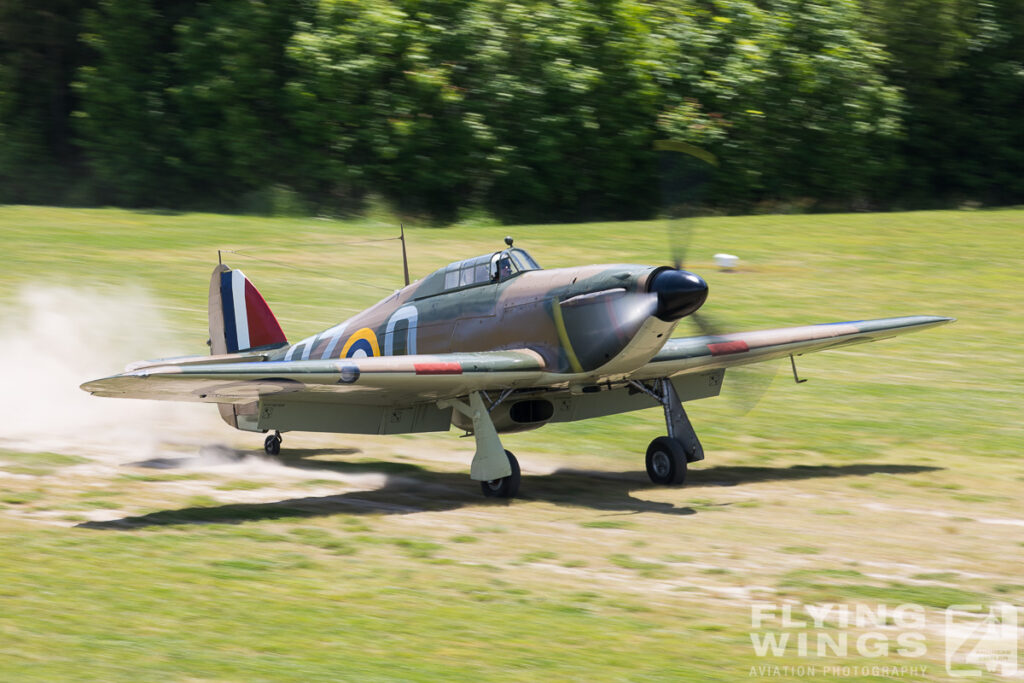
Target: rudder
pixel 240 319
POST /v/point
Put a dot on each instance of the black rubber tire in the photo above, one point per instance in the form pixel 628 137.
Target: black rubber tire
pixel 272 444
pixel 506 487
pixel 666 462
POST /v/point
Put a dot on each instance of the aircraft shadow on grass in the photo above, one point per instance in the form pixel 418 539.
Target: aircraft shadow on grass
pixel 409 489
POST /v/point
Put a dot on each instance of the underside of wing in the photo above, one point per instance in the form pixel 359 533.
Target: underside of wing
pixel 375 381
pixel 696 354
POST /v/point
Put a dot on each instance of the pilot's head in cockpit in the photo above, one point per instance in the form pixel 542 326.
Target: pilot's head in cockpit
pixel 501 267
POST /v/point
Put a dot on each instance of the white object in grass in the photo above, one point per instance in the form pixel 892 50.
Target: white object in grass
pixel 726 261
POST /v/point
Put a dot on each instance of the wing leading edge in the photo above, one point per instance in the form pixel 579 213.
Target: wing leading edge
pixel 387 380
pixel 696 354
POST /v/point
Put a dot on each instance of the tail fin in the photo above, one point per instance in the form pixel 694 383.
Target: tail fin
pixel 240 320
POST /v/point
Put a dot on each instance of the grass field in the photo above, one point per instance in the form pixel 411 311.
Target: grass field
pixel 146 542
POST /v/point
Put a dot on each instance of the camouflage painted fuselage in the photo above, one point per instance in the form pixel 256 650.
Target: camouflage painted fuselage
pixel 524 311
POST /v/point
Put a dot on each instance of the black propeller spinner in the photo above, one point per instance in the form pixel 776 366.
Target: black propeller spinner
pixel 680 293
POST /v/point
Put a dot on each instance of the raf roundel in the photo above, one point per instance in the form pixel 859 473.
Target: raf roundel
pixel 361 344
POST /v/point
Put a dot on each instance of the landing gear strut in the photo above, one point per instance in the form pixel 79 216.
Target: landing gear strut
pixel 272 444
pixel 668 456
pixel 496 469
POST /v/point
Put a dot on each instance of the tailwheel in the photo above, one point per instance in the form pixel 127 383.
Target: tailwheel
pixel 666 461
pixel 272 444
pixel 506 487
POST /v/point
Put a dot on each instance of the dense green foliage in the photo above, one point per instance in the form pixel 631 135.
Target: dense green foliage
pixel 39 52
pixel 529 111
pixel 960 66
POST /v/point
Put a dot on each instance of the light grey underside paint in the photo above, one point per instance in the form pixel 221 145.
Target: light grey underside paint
pixel 294 414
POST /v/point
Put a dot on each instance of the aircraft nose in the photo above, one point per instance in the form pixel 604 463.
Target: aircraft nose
pixel 680 293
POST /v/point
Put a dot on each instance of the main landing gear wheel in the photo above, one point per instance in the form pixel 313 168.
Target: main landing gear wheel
pixel 666 462
pixel 272 444
pixel 506 487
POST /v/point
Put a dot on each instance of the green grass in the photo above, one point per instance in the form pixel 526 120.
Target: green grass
pixel 936 576
pixel 896 464
pixel 606 524
pixel 20 497
pixel 241 485
pixel 538 556
pixel 36 464
pixel 643 567
pixel 800 550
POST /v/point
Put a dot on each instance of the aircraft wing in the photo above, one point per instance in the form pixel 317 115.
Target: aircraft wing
pixel 376 381
pixel 697 354
pixel 414 379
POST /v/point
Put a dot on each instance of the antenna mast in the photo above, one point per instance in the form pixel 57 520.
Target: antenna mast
pixel 405 258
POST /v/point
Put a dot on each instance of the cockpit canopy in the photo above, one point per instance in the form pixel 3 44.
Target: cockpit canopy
pixel 486 269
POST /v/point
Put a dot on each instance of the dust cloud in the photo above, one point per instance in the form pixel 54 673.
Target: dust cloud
pixel 54 338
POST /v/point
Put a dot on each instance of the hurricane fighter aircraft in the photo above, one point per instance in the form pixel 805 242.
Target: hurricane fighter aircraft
pixel 491 344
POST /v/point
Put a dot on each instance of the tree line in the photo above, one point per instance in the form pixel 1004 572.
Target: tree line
pixel 528 111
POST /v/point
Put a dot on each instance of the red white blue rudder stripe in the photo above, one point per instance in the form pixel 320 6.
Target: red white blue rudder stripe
pixel 248 321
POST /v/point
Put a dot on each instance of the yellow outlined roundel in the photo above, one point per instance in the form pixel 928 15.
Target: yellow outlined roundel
pixel 364 341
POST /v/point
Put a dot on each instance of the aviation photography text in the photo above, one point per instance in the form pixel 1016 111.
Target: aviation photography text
pixel 883 640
